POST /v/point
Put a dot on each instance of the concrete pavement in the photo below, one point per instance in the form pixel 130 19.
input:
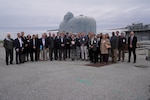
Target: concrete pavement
pixel 72 80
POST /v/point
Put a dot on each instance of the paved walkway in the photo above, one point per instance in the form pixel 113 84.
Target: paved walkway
pixel 71 80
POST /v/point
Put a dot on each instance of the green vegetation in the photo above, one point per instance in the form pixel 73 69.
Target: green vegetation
pixel 1 41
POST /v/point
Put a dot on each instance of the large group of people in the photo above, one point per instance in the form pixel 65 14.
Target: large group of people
pixel 95 48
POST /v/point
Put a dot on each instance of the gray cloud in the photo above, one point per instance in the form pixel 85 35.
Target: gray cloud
pixel 108 13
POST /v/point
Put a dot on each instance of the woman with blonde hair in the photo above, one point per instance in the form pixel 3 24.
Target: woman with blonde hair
pixel 104 47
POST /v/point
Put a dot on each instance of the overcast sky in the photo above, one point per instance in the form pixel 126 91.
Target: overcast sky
pixel 107 13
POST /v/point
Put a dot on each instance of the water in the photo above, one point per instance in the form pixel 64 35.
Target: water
pixel 28 30
pixel 32 30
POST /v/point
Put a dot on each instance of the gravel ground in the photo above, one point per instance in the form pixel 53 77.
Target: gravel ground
pixel 72 80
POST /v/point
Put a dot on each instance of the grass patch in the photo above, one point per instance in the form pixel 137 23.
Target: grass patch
pixel 1 41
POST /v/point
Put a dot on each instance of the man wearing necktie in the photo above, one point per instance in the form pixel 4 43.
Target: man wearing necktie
pixel 34 45
pixel 132 41
pixel 62 47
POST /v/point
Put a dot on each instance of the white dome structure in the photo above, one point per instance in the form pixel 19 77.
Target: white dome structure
pixel 78 24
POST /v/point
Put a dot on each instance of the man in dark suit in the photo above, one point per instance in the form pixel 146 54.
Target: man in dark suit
pixel 132 42
pixel 56 46
pixel 24 52
pixel 51 43
pixel 28 54
pixel 62 47
pixel 19 46
pixel 9 45
pixel 34 48
pixel 68 43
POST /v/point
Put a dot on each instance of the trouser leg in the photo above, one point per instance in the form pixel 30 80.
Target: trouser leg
pixel 7 56
pixel 82 52
pixel 129 55
pixel 134 54
pixel 123 54
pixel 78 49
pixel 85 51
pixel 115 55
pixel 119 55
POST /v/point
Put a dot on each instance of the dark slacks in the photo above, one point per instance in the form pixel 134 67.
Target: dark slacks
pixel 105 58
pixel 67 51
pixel 9 54
pixel 34 55
pixel 93 55
pixel 62 51
pixel 51 51
pixel 98 55
pixel 56 53
pixel 134 54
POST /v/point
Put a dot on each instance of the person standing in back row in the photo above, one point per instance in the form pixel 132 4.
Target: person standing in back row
pixel 114 47
pixel 9 45
pixel 121 47
pixel 132 41
pixel 34 48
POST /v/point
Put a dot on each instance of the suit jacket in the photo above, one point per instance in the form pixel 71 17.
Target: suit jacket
pixel 62 42
pixel 134 42
pixel 51 42
pixel 32 45
pixel 98 42
pixel 78 42
pixel 56 46
pixel 68 41
pixel 122 43
pixel 17 44
pixel 46 43
pixel 8 44
pixel 84 41
pixel 94 44
pixel 114 42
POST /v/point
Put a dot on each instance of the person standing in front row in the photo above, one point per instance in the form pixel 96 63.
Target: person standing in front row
pixel 19 46
pixel 83 43
pixel 104 50
pixel 9 45
pixel 132 41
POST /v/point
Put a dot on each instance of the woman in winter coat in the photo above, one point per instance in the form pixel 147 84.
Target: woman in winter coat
pixel 104 49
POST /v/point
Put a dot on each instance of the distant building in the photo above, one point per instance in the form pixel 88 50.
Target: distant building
pixel 77 24
pixel 141 31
